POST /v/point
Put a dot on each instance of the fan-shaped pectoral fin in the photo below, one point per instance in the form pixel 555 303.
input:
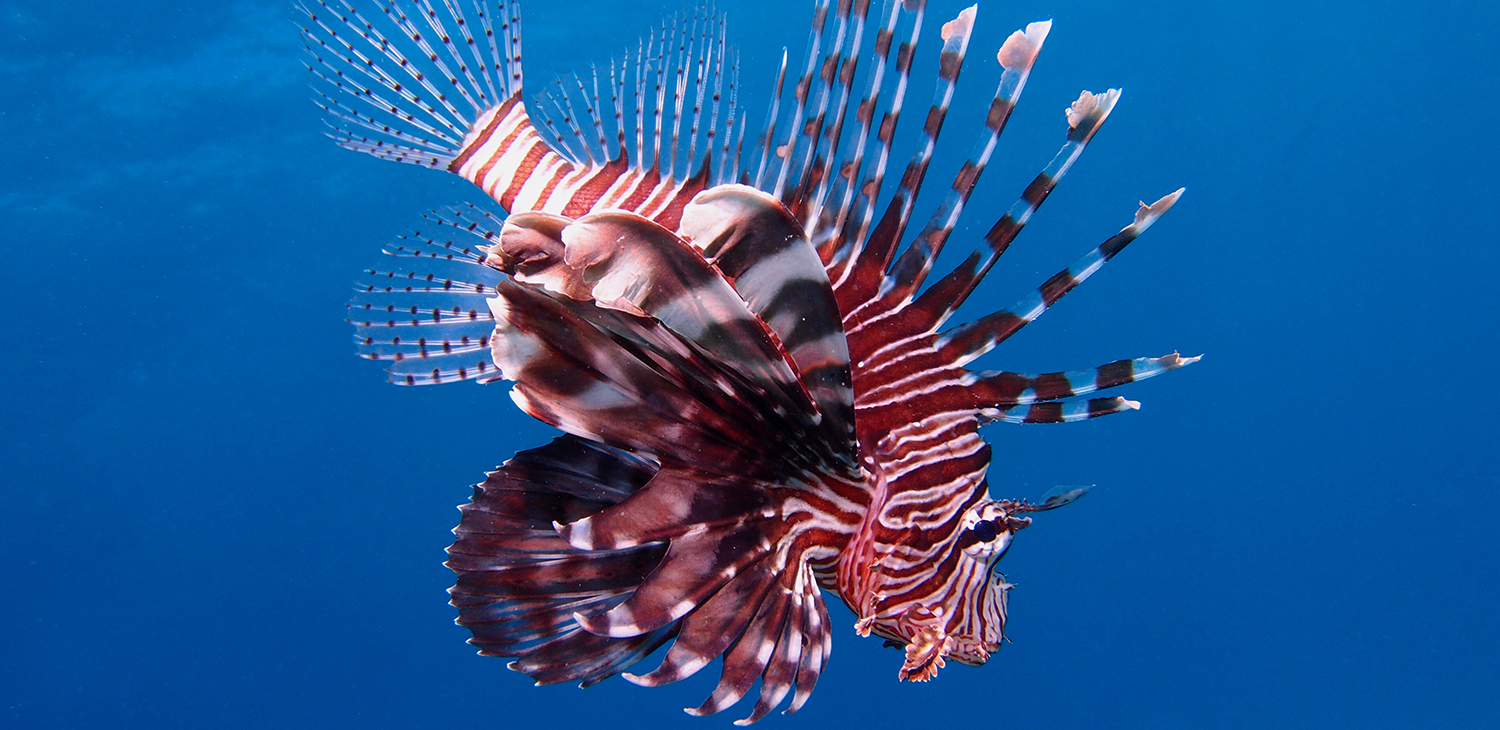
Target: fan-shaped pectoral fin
pixel 696 567
pixel 674 503
pixel 727 591
pixel 781 640
pixel 518 584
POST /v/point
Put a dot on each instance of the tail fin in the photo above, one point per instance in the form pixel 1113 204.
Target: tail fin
pixel 440 89
pixel 398 97
pixel 408 89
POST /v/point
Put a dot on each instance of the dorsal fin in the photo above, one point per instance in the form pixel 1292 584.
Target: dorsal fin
pixel 786 150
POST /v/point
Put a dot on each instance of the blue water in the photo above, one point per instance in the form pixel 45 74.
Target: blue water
pixel 215 516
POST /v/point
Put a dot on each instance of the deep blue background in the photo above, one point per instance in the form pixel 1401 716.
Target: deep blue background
pixel 213 515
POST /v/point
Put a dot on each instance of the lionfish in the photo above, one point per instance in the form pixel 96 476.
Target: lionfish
pixel 760 399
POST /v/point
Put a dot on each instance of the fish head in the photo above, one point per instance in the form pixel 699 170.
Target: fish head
pixel 965 620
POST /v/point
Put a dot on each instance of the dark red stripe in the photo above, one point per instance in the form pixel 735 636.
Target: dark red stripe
pixel 1115 244
pixel 846 72
pixel 1038 190
pixel 998 389
pixel 467 152
pixel 1002 234
pixel 642 190
pixel 999 326
pixel 563 171
pixel 1103 406
pixel 1118 372
pixel 1051 386
pixel 934 123
pixel 523 171
pixel 826 73
pixel 507 143
pixel 1061 283
pixel 672 215
pixel 968 175
pixel 887 129
pixel 1000 110
pixel 590 192
pixel 1048 413
pixel 949 66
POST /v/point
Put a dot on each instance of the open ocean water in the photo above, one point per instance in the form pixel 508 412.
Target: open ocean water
pixel 212 515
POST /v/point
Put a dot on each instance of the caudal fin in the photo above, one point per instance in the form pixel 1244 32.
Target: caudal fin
pixel 413 91
pixel 430 85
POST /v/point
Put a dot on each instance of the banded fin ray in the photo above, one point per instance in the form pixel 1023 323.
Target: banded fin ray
pixel 841 237
pixel 887 236
pixel 1064 411
pixel 882 287
pixel 997 389
pixel 1016 57
pixel 969 341
pixel 1018 398
pixel 801 127
pixel 371 86
pixel 921 362
pixel 427 315
pixel 1085 116
pixel 825 132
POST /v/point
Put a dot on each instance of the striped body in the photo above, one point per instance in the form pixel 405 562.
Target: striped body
pixel 509 160
pixel 762 395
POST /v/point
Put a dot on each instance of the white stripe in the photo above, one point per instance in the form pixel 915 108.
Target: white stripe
pixel 491 146
pixel 919 459
pixel 901 393
pixel 620 189
pixel 830 349
pixel 691 314
pixel 530 195
pixel 467 171
pixel 939 514
pixel 507 160
pixel 1090 264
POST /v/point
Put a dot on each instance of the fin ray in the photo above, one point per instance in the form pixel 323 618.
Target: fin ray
pixel 517 596
pixel 969 341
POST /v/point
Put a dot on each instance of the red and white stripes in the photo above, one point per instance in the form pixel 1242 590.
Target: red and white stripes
pixel 763 388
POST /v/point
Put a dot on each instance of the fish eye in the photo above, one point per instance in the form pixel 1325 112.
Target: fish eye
pixel 985 530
